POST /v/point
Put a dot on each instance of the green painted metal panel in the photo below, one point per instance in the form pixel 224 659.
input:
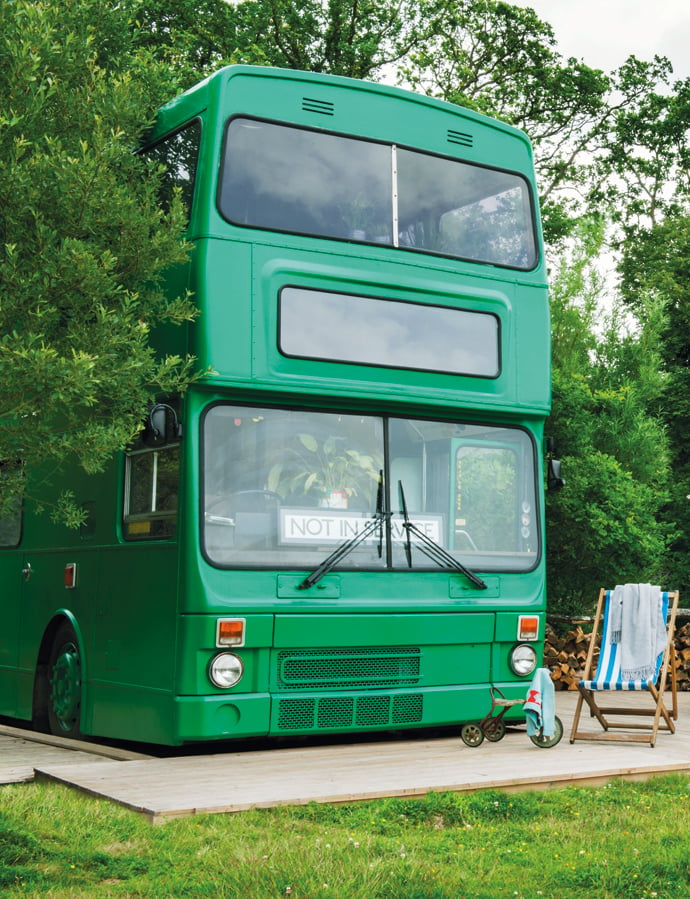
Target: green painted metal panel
pixel 117 710
pixel 221 717
pixel 289 587
pixel 370 630
pixel 460 588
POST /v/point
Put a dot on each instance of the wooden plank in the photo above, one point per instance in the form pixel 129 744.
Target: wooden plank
pixel 111 752
pixel 21 751
pixel 19 758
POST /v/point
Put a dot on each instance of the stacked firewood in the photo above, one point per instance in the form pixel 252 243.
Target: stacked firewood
pixel 682 644
pixel 565 655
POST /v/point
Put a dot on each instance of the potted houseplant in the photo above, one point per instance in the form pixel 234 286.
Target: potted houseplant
pixel 328 470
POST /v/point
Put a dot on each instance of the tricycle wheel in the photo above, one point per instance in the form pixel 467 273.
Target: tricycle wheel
pixel 494 730
pixel 472 734
pixel 547 742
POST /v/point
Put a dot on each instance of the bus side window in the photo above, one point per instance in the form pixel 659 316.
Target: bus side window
pixel 151 491
pixel 11 520
pixel 11 525
pixel 179 153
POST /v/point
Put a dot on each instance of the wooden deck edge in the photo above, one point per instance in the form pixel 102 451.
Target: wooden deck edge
pixel 523 785
pixel 111 752
pixel 42 776
pixel 516 785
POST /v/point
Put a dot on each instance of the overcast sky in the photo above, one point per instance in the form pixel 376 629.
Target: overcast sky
pixel 603 33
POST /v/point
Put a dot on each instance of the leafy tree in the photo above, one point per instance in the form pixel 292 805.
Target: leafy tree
pixel 658 260
pixel 606 523
pixel 83 243
pixel 357 38
pixel 646 184
pixel 342 37
pixel 193 37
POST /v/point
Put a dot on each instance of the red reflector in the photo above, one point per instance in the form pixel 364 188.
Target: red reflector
pixel 70 576
pixel 230 632
pixel 528 627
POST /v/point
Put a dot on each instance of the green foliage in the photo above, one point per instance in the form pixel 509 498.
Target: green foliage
pixel 643 161
pixel 319 468
pixel 83 242
pixel 356 38
pixel 192 37
pixel 657 259
pixel 605 527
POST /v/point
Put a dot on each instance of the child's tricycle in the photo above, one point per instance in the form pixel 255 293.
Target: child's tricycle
pixel 493 727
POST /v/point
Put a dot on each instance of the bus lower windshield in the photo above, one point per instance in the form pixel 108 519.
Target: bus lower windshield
pixel 282 488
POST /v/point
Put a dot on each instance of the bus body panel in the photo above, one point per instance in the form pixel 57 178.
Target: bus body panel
pixel 373 644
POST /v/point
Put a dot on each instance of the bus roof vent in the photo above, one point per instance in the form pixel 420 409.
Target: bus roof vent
pixel 324 107
pixel 459 137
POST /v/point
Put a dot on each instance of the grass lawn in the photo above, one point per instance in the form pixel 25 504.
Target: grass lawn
pixel 622 840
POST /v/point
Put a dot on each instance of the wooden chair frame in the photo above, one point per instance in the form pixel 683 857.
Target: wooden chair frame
pixel 662 718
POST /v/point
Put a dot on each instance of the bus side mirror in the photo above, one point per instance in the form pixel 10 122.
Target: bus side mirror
pixel 554 481
pixel 162 425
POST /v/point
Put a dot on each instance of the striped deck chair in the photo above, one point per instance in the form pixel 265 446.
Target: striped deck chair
pixel 607 679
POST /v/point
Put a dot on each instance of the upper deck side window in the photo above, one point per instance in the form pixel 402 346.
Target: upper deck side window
pixel 282 178
pixel 179 154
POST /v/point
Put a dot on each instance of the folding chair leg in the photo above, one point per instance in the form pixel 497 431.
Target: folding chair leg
pixel 594 711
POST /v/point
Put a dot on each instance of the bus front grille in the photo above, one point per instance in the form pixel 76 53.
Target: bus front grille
pixel 324 712
pixel 348 669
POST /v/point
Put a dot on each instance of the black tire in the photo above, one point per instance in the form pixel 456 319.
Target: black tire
pixel 64 684
pixel 547 742
pixel 494 730
pixel 472 734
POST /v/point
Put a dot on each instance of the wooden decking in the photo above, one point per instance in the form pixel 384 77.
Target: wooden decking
pixel 22 751
pixel 234 781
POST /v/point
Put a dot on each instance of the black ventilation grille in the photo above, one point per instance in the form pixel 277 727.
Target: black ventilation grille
pixel 347 669
pixel 460 137
pixel 323 107
pixel 338 712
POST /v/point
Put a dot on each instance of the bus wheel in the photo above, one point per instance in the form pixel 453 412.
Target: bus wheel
pixel 64 687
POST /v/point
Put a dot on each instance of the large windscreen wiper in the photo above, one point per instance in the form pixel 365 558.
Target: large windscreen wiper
pixel 344 549
pixel 430 548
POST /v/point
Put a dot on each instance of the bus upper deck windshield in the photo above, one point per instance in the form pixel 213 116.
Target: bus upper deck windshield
pixel 284 178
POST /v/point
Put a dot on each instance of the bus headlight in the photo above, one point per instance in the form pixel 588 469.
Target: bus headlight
pixel 226 670
pixel 523 659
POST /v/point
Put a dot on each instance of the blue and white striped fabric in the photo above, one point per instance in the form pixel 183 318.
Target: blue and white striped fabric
pixel 608 673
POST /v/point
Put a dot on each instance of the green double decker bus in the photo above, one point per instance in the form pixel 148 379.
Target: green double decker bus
pixel 341 527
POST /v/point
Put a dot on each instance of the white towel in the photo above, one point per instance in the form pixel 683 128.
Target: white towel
pixel 638 626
